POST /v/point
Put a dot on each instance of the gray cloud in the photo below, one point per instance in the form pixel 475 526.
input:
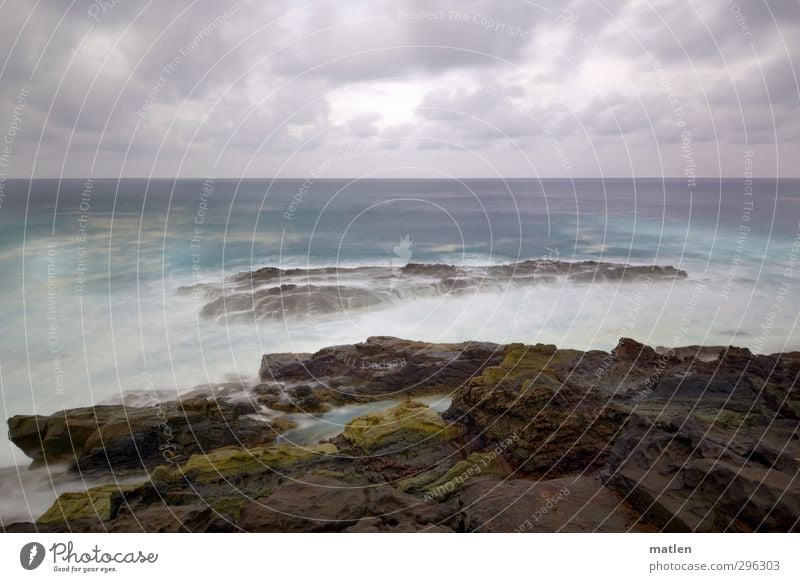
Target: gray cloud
pixel 277 85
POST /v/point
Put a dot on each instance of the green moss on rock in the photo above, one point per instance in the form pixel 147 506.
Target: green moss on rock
pixel 98 503
pixel 437 484
pixel 235 461
pixel 404 425
pixel 521 360
pixel 229 506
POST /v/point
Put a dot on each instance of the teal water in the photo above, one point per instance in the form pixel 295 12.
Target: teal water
pixel 89 309
pixel 314 428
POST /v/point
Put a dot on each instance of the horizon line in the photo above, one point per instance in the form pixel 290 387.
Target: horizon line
pixel 457 178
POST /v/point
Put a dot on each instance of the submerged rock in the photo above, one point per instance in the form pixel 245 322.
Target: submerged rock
pixel 272 293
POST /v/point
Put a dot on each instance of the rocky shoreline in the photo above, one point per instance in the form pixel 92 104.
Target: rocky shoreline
pixel 535 439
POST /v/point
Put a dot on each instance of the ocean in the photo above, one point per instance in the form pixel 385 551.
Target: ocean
pixel 90 269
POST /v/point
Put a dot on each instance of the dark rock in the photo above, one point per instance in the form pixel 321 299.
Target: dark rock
pixel 688 439
pixel 272 293
pixel 633 351
pixel 552 426
pixel 122 437
pixel 301 398
pixel 165 519
pixel 309 504
pixel 570 504
pixel 381 367
pixel 314 503
pixel 684 475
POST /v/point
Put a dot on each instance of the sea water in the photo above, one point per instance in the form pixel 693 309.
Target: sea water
pixel 90 271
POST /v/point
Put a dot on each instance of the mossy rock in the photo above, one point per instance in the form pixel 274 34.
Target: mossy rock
pixel 521 360
pixel 234 461
pixel 727 419
pixel 231 506
pixel 419 482
pixel 165 475
pixel 99 503
pixel 331 473
pixel 721 418
pixel 475 465
pixel 405 425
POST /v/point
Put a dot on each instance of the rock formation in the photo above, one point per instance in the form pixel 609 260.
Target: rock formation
pixel 536 439
pixel 272 293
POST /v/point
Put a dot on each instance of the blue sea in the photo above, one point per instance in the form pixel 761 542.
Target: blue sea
pixel 90 269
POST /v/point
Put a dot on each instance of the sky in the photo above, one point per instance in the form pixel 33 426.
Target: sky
pixel 387 88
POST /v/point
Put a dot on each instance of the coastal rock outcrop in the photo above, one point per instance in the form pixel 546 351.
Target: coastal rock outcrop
pixel 379 368
pixel 535 439
pixel 559 423
pixel 119 437
pixel 715 446
pixel 272 293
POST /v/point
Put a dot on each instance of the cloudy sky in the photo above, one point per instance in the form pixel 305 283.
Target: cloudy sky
pixel 343 88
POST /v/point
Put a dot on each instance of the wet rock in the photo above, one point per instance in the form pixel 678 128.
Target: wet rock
pixel 224 463
pixel 404 426
pixel 116 437
pixel 381 367
pixel 444 480
pixel 272 293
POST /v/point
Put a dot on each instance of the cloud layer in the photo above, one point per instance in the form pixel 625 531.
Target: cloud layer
pixel 399 88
